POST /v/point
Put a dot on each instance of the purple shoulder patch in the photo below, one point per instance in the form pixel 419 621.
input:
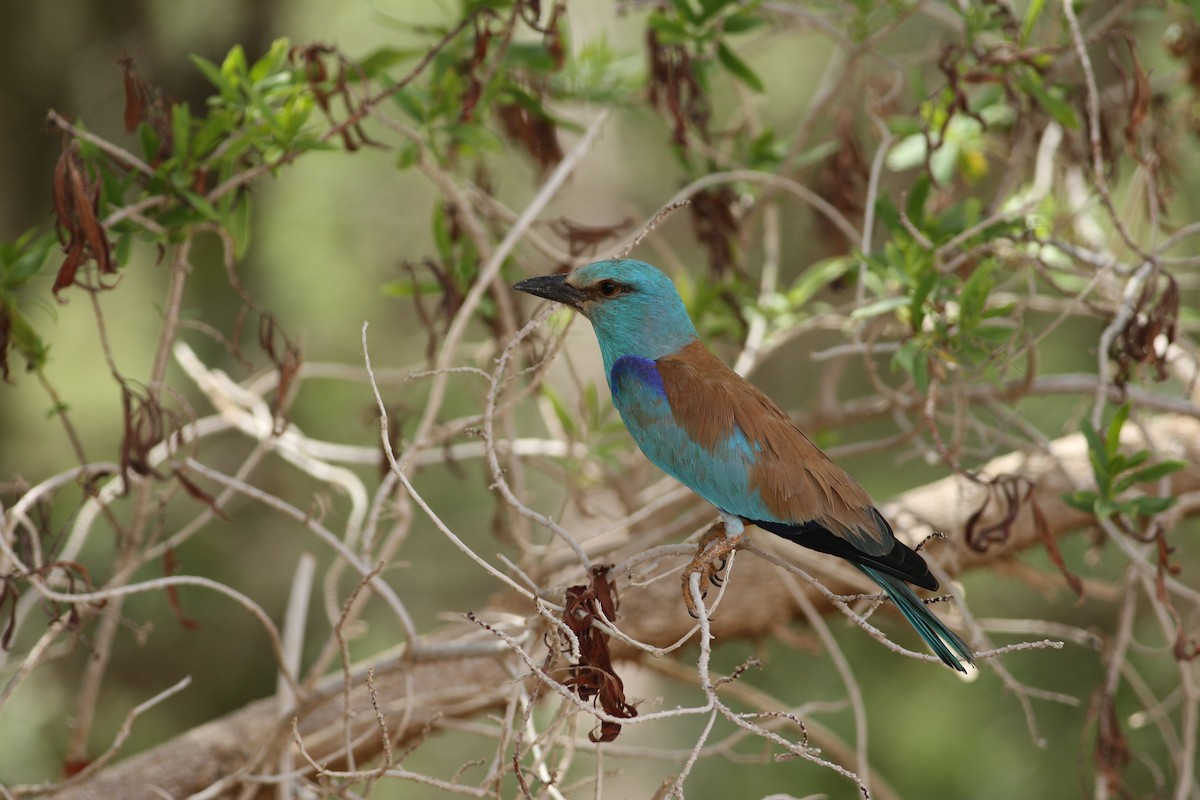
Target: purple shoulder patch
pixel 642 370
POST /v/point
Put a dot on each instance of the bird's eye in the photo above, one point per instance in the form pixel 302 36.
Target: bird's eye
pixel 608 288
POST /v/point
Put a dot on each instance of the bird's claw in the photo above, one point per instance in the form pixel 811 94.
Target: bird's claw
pixel 715 570
pixel 710 559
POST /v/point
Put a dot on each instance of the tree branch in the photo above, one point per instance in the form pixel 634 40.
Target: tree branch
pixel 757 602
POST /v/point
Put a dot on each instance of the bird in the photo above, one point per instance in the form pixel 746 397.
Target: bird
pixel 716 433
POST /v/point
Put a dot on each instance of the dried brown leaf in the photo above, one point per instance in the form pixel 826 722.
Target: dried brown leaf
pixel 196 492
pixel 76 209
pixel 594 677
pixel 170 567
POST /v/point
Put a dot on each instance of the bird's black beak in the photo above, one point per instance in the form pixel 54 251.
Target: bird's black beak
pixel 553 287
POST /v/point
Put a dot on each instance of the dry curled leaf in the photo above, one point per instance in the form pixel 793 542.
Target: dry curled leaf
pixel 146 424
pixel 582 239
pixel 1149 332
pixel 535 132
pixel 1112 747
pixel 329 86
pixel 197 493
pixel 170 567
pixel 77 219
pixel 842 181
pixel 145 102
pixel 676 90
pixel 1010 493
pixel 716 225
pixel 285 355
pixel 594 677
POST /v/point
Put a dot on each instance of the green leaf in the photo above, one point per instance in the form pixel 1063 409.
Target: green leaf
pixel 765 152
pixel 1081 501
pixel 670 30
pixel 1148 506
pixel 23 259
pixel 591 401
pixel 215 76
pixel 529 55
pixel 1151 473
pixel 23 338
pixel 234 65
pixel 1096 452
pixel 913 359
pixel 1112 437
pixel 907 153
pixel 1136 459
pixel 974 294
pixel 944 161
pixel 274 60
pixel 410 288
pixel 382 59
pixel 1005 310
pixel 238 225
pixel 441 234
pixel 917 197
pixel 407 153
pixel 201 204
pixel 149 140
pixel 994 334
pixel 181 127
pixel 879 307
pixel 560 411
pixel 1031 14
pixel 1089 433
pixel 814 154
pixel 476 137
pixel 817 277
pixel 685 10
pixel 122 249
pixel 926 280
pixel 1062 113
pixel 888 215
pixel 738 68
pixel 411 104
pixel 741 22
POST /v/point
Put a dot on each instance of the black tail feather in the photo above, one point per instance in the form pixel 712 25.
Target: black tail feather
pixel 902 562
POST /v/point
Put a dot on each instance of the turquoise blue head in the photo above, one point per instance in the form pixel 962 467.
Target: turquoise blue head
pixel 633 307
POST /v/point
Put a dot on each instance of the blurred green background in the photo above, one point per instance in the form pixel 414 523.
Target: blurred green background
pixel 329 232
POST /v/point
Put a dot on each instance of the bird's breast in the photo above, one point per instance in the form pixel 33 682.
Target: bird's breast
pixel 719 471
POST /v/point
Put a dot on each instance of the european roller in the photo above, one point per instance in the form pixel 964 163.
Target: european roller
pixel 716 433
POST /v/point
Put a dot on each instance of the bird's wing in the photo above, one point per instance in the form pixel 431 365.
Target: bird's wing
pixel 794 482
pixel 717 471
pixel 717 434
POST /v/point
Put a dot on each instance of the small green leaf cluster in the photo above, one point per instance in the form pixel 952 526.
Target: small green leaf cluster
pixel 485 73
pixel 259 117
pixel 188 173
pixel 20 260
pixel 708 303
pixel 954 143
pixel 948 312
pixel 1117 473
pixel 703 27
pixel 260 111
pixel 593 422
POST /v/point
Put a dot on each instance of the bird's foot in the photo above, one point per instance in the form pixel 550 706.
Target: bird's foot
pixel 711 554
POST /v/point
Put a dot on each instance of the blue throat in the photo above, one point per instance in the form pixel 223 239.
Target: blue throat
pixel 654 327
